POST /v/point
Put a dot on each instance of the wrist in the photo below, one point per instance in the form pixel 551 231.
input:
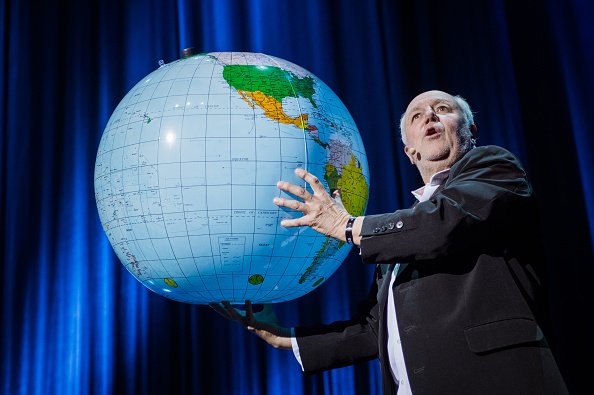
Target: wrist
pixel 352 230
pixel 348 230
pixel 357 226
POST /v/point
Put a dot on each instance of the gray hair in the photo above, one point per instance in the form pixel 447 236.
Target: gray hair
pixel 466 140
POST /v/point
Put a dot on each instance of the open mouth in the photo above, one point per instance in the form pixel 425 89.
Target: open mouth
pixel 432 131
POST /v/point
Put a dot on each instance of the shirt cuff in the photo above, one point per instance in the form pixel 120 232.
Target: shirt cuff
pixel 295 348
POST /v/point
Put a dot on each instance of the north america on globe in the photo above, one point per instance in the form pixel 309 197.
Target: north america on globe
pixel 186 173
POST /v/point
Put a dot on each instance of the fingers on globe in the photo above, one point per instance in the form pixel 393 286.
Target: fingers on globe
pixel 289 203
pixel 294 190
pixel 290 223
pixel 295 205
pixel 312 180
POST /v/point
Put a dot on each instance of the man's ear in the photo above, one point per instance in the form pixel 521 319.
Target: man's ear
pixel 410 152
pixel 473 130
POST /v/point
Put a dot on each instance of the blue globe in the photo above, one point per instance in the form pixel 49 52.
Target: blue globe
pixel 187 167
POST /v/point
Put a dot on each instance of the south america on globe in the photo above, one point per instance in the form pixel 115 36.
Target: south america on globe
pixel 186 172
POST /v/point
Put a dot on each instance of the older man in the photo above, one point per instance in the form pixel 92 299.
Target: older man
pixel 454 305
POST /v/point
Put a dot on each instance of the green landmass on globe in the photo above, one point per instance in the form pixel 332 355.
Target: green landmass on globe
pixel 187 167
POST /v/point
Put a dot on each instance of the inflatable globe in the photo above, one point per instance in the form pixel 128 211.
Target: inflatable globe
pixel 186 172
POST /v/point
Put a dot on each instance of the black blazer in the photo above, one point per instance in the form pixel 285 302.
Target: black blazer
pixel 467 293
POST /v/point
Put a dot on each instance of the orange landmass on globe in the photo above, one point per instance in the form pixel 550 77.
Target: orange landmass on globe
pixel 273 108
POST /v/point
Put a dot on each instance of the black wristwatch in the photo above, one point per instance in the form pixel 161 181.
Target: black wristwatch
pixel 348 231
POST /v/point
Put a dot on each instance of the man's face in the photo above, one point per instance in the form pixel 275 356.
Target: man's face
pixel 431 124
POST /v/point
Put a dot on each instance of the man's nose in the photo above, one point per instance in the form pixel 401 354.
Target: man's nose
pixel 430 116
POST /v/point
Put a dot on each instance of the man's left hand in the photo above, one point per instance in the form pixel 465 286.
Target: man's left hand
pixel 264 323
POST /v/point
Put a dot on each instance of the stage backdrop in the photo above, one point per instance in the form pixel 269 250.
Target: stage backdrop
pixel 74 321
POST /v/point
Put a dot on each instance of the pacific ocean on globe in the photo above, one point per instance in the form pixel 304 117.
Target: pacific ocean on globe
pixel 186 172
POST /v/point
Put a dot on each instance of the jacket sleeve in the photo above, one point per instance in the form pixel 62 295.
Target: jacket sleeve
pixel 341 343
pixel 475 211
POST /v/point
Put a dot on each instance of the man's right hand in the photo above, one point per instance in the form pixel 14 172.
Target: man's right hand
pixel 263 323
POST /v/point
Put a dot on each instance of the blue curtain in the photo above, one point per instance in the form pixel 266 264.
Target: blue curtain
pixel 74 321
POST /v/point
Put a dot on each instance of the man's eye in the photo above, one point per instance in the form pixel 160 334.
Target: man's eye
pixel 442 109
pixel 415 117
